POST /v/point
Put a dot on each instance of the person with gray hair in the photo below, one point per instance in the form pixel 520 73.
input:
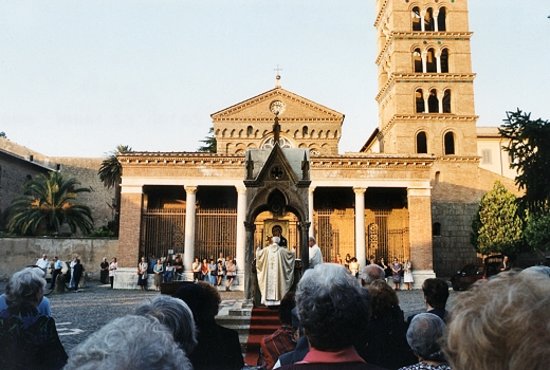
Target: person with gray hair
pixel 537 269
pixel 372 272
pixel 176 315
pixel 501 323
pixel 44 308
pixel 424 334
pixel 130 342
pixel 333 310
pixel 28 339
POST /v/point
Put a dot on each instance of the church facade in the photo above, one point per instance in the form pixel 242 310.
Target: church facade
pixel 409 193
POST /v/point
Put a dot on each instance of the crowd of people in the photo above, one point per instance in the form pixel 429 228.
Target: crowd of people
pixel 331 321
pixel 64 275
pixel 168 269
pixel 399 274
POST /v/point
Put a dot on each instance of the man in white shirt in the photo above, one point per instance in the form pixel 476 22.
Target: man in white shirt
pixel 43 263
pixel 315 255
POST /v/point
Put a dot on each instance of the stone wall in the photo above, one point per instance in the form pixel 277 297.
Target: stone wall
pixel 84 170
pixel 100 198
pixel 13 174
pixel 452 249
pixel 16 253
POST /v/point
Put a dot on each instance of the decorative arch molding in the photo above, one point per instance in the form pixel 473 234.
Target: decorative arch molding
pixel 284 142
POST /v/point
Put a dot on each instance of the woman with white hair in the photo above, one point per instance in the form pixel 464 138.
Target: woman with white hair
pixel 424 334
pixel 28 339
pixel 176 315
pixel 130 342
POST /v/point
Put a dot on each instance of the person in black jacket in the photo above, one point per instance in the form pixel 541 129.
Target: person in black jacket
pixel 386 332
pixel 28 339
pixel 218 347
pixel 78 270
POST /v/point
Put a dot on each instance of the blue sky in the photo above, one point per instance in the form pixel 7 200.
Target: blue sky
pixel 77 78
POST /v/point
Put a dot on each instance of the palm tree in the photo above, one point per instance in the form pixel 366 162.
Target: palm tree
pixel 110 173
pixel 47 203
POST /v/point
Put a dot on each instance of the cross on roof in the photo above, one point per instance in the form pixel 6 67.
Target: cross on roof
pixel 278 76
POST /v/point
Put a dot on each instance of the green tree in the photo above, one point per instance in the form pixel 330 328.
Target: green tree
pixel 497 228
pixel 537 232
pixel 210 142
pixel 529 149
pixel 110 173
pixel 3 134
pixel 47 203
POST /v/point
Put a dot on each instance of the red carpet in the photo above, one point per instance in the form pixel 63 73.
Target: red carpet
pixel 263 321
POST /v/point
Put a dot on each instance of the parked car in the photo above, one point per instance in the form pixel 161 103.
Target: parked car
pixel 471 273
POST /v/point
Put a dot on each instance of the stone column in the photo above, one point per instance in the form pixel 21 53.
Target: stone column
pixel 251 292
pixel 420 234
pixel 426 98
pixel 310 211
pixel 241 234
pixel 436 15
pixel 129 239
pixel 438 60
pixel 360 246
pixel 189 252
pixel 440 101
pixel 424 56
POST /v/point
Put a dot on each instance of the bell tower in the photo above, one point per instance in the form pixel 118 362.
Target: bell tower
pixel 425 80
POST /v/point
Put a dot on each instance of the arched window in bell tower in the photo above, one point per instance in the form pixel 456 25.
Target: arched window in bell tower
pixel 419 96
pixel 429 21
pixel 447 101
pixel 415 15
pixel 305 131
pixel 249 131
pixel 431 62
pixel 449 142
pixel 417 60
pixel 433 102
pixel 442 19
pixel 445 61
pixel 421 143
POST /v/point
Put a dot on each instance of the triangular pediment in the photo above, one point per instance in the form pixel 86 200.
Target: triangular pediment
pixel 277 165
pixel 296 107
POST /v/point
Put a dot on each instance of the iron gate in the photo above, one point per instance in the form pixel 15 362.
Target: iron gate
pixel 215 232
pixel 162 229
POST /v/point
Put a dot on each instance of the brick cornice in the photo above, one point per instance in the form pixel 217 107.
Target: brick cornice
pixel 423 78
pixel 459 158
pixel 380 12
pixel 371 161
pixel 445 117
pixel 269 120
pixel 178 159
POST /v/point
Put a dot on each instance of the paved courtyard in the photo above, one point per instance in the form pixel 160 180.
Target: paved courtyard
pixel 77 315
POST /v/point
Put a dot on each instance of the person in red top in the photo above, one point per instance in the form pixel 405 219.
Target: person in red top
pixel 332 307
pixel 283 339
pixel 205 270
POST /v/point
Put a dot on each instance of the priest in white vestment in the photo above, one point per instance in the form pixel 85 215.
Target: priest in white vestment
pixel 275 269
